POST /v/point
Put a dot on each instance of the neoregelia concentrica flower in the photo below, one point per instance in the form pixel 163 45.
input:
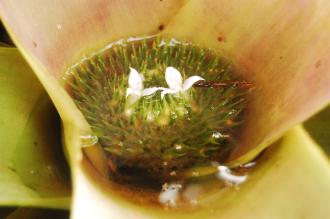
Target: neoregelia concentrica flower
pixel 264 48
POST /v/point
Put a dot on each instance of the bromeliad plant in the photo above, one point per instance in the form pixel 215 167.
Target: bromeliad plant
pixel 281 47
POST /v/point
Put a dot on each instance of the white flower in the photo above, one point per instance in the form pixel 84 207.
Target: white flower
pixel 135 86
pixel 174 80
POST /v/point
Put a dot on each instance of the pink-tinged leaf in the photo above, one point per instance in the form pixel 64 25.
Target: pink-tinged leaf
pixel 58 33
pixel 281 46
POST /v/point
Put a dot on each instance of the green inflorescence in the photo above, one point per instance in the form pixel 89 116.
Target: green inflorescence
pixel 158 136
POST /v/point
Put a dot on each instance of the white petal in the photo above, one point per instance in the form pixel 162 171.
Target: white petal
pixel 168 91
pixel 226 175
pixel 130 91
pixel 191 81
pixel 134 80
pixel 151 90
pixel 173 78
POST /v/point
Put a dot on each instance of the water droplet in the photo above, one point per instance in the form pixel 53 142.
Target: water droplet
pixel 231 112
pixel 178 147
pixel 88 140
pixel 219 135
pixel 195 173
pixel 216 135
pixel 173 115
pixel 249 165
pixel 150 117
pixel 173 173
pixel 128 112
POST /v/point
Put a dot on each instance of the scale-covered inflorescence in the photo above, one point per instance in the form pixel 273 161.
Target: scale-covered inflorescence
pixel 159 134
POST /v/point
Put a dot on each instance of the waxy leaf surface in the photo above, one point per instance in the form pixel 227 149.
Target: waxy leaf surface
pixel 31 164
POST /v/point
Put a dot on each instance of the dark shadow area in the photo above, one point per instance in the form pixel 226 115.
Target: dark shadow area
pixel 5 211
pixel 32 213
pixel 4 37
pixel 318 127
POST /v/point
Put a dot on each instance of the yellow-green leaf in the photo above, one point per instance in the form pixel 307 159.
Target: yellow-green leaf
pixel 32 166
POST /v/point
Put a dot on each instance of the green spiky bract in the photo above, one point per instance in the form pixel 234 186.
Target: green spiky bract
pixel 159 136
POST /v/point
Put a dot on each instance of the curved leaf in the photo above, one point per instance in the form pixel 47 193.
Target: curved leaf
pixel 281 46
pixel 291 169
pixel 58 33
pixel 77 27
pixel 31 166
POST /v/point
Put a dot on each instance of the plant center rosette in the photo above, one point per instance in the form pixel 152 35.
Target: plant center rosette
pixel 159 107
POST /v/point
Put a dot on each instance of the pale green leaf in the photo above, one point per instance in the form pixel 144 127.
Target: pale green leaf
pixel 32 168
